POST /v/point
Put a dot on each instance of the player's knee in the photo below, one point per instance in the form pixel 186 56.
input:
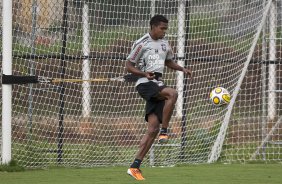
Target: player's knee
pixel 173 95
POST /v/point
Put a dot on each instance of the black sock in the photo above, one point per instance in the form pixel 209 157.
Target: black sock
pixel 136 163
pixel 163 131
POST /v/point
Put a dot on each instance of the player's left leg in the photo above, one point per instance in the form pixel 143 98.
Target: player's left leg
pixel 170 96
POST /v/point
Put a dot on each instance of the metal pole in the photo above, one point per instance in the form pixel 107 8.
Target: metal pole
pixel 31 66
pixel 153 7
pixel 86 99
pixel 62 86
pixel 7 88
pixel 272 57
pixel 152 155
pixel 263 80
pixel 180 56
pixel 185 85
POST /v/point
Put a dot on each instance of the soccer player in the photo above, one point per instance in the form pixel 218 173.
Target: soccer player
pixel 147 59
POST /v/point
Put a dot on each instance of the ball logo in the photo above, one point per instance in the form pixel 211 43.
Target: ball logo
pixel 218 90
pixel 226 97
pixel 216 100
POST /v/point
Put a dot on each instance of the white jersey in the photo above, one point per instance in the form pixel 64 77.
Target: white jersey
pixel 149 55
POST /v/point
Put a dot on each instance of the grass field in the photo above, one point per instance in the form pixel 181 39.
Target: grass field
pixel 190 174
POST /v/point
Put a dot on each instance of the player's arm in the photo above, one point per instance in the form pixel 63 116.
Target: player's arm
pixel 171 64
pixel 132 69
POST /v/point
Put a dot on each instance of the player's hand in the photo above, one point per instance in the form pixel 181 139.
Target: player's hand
pixel 150 75
pixel 187 71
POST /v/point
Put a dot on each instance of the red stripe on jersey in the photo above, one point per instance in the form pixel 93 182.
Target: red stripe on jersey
pixel 136 52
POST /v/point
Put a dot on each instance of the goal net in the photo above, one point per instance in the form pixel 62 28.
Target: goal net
pixel 234 44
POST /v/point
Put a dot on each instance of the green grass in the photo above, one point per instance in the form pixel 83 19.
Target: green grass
pixel 191 174
pixel 12 166
pixel 100 41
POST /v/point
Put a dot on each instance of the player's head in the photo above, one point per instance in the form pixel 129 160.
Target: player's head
pixel 159 25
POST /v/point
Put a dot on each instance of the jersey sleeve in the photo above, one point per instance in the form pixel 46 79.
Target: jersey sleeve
pixel 169 55
pixel 136 53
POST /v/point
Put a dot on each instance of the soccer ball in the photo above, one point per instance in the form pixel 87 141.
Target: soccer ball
pixel 220 96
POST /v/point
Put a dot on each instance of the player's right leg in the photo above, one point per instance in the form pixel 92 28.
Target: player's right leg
pixel 135 173
pixel 144 147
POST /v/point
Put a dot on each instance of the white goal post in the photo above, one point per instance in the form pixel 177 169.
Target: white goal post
pixel 76 107
pixel 6 89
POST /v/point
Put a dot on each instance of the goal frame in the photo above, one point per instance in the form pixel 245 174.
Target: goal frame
pixel 217 147
pixel 183 19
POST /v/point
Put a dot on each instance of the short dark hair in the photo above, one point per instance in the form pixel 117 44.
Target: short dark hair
pixel 155 20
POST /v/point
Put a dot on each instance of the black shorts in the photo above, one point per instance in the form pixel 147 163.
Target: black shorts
pixel 150 91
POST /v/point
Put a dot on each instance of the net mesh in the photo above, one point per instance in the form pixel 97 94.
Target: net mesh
pixel 102 123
